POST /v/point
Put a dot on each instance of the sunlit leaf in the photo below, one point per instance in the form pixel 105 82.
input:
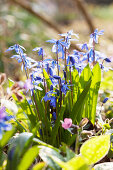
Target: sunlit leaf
pixel 6 137
pixel 39 166
pixel 76 163
pixel 28 158
pixel 78 106
pixel 95 148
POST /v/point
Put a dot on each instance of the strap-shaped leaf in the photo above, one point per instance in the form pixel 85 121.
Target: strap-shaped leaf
pixel 78 106
pixel 57 124
pixel 6 137
pixel 93 94
pixel 28 158
pixel 48 81
pixel 39 166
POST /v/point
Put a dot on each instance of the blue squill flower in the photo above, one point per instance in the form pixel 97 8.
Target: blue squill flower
pixel 71 59
pixel 28 62
pixel 107 60
pixel 18 48
pixel 54 81
pixel 83 46
pixel 94 36
pixel 58 45
pixel 51 87
pixel 56 77
pixel 4 125
pixel 69 34
pixel 49 96
pixel 68 37
pixel 64 88
pixel 105 100
pixel 40 51
pixel 49 69
pixel 53 101
pixel 54 115
pixel 64 74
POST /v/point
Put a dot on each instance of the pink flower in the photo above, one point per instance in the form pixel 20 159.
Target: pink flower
pixel 67 123
pixel 2 113
pixel 28 85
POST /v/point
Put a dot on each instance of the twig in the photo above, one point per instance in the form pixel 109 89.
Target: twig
pixel 82 7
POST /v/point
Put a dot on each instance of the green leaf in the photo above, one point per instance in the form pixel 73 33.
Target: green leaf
pixel 104 166
pixel 23 141
pixel 57 124
pixel 18 147
pixel 67 151
pixel 95 85
pixel 75 82
pixel 6 137
pixel 95 148
pixel 48 81
pixel 76 163
pixel 28 158
pixel 78 106
pixel 46 153
pixel 3 157
pixel 85 76
pixel 27 111
pixel 11 82
pixel 39 166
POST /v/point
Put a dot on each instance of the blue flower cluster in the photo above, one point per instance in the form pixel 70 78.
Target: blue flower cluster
pixel 75 60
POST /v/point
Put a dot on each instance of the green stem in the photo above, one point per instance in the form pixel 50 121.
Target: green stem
pixel 93 52
pixel 65 62
pixel 57 61
pixel 77 143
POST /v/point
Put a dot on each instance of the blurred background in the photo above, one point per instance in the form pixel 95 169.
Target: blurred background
pixel 31 22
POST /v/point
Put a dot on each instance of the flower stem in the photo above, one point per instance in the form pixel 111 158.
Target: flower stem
pixel 57 61
pixel 43 72
pixel 71 84
pixel 65 62
pixel 77 143
pixel 93 52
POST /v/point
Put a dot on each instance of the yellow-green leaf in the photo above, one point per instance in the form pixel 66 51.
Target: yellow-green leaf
pixel 95 148
pixel 39 166
pixel 28 158
pixel 76 163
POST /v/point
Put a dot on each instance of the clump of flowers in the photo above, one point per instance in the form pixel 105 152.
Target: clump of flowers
pixel 55 89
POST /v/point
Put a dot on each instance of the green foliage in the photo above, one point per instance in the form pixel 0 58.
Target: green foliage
pixel 96 79
pixel 28 158
pixel 40 133
pixel 78 106
pixel 104 166
pixel 6 137
pixel 39 166
pixel 17 149
pixel 77 163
